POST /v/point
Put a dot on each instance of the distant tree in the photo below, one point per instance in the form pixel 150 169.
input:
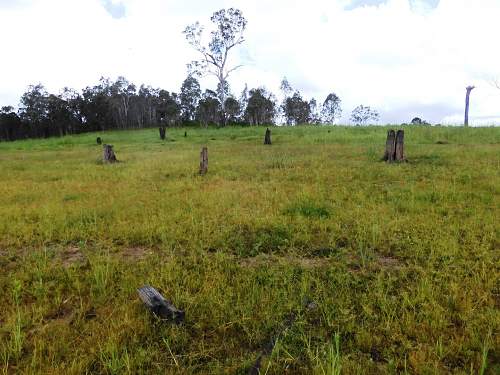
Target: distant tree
pixel 286 90
pixel 10 125
pixel 229 28
pixel 122 93
pixel 73 102
pixel 169 108
pixel 96 110
pixel 190 96
pixel 145 107
pixel 331 109
pixel 208 108
pixel 34 110
pixel 233 110
pixel 58 115
pixel 315 116
pixel 362 114
pixel 244 98
pixel 296 110
pixel 416 121
pixel 261 107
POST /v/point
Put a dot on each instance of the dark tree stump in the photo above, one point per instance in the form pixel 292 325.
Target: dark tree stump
pixel 267 138
pixel 185 134
pixel 109 154
pixel 159 306
pixel 394 146
pixel 390 146
pixel 204 161
pixel 99 140
pixel 400 145
pixel 163 133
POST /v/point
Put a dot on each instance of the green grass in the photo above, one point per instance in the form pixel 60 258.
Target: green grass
pixel 401 261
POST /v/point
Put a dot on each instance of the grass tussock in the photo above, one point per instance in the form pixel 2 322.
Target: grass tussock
pixel 401 261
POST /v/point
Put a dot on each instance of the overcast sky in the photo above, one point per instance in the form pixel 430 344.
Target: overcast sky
pixel 405 58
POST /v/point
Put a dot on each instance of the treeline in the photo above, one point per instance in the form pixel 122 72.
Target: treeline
pixel 122 105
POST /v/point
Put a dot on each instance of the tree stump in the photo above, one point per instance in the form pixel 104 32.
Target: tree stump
pixel 390 146
pixel 99 140
pixel 400 145
pixel 267 138
pixel 185 134
pixel 159 306
pixel 467 99
pixel 204 161
pixel 394 146
pixel 109 154
pixel 163 133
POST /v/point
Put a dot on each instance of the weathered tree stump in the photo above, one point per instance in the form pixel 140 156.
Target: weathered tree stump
pixel 99 140
pixel 109 154
pixel 204 161
pixel 400 145
pixel 390 146
pixel 163 133
pixel 468 89
pixel 185 134
pixel 394 147
pixel 267 138
pixel 159 306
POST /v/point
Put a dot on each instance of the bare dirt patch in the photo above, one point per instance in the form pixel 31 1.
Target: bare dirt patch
pixel 72 255
pixel 135 253
pixel 385 262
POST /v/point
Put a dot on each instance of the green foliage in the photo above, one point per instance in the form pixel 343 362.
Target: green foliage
pixel 308 208
pixel 401 261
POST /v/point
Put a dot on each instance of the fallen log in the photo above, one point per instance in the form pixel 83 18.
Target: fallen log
pixel 108 155
pixel 159 306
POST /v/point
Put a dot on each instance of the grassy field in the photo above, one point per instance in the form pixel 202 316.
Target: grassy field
pixel 398 265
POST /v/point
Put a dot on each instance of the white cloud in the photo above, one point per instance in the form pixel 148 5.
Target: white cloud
pixel 405 58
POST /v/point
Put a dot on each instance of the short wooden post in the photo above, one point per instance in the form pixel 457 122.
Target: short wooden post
pixel 390 146
pixel 267 138
pixel 163 133
pixel 399 152
pixel 204 161
pixel 109 154
pixel 159 306
pixel 99 140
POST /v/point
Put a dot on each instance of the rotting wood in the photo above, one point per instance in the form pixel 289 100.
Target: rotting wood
pixel 400 143
pixel 108 154
pixel 468 89
pixel 394 146
pixel 204 161
pixel 267 138
pixel 159 306
pixel 390 146
pixel 163 133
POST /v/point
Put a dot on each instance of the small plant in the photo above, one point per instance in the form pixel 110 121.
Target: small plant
pixel 332 364
pixel 100 275
pixel 308 208
pixel 484 355
pixel 17 337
